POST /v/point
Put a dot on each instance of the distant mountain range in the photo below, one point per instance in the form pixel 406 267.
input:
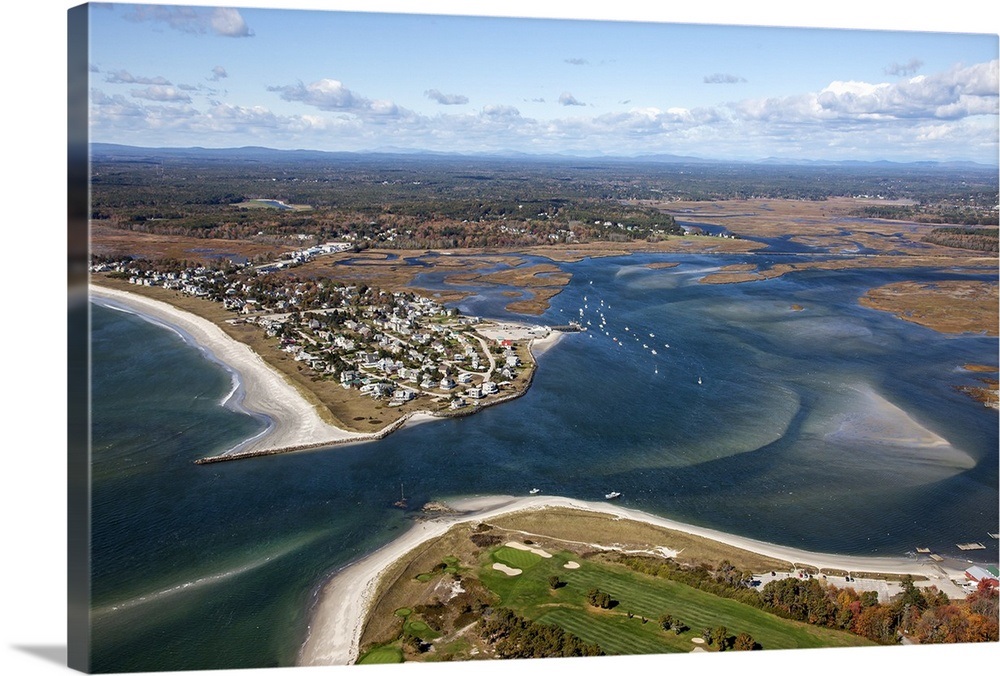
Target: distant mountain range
pixel 107 151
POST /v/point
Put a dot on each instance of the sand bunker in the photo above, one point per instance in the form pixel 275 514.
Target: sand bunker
pixel 507 570
pixel 572 565
pixel 526 548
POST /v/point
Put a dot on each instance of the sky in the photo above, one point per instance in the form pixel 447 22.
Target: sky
pixel 346 80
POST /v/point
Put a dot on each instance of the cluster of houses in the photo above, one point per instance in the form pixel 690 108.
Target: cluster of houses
pixel 415 347
pixel 395 346
pixel 193 282
pixel 301 256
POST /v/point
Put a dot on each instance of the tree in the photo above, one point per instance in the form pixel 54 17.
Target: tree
pixel 600 599
pixel 744 641
pixel 555 582
pixel 877 623
pixel 911 596
pixel 666 622
pixel 720 637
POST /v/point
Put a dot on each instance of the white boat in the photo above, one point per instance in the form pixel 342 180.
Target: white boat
pixel 699 380
pixel 534 491
pixel 612 495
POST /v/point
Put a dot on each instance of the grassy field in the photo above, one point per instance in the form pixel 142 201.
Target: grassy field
pixel 570 525
pixel 433 593
pixel 645 598
pixel 947 306
pixel 383 655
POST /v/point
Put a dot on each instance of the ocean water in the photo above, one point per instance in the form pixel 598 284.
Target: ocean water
pixel 831 427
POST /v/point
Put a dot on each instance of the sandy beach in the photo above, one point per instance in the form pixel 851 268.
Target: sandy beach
pixel 292 422
pixel 338 619
pixel 540 346
pixel 261 390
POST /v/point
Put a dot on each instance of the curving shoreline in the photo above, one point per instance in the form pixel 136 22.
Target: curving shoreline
pixel 338 617
pixel 292 422
pixel 261 390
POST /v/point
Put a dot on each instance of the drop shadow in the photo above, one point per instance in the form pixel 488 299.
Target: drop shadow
pixel 50 653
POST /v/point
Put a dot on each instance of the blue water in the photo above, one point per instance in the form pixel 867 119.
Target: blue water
pixel 206 566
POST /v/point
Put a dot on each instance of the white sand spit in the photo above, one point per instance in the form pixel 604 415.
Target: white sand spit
pixel 293 421
pixel 528 548
pixel 337 620
pixel 507 570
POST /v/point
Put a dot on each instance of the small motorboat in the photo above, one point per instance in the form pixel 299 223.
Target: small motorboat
pixel 612 495
pixel 534 491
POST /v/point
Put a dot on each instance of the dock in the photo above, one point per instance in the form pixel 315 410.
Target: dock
pixel 935 557
pixel 923 550
pixel 971 545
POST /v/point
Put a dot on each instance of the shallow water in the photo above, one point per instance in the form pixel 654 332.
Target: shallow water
pixel 215 566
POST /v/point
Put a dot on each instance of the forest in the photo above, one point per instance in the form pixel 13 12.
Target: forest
pixel 442 201
pixel 976 239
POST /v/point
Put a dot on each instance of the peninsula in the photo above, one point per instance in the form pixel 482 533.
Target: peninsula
pixel 358 609
pixel 329 364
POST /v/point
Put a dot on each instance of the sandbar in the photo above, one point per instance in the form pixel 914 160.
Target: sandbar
pixel 338 618
pixel 292 422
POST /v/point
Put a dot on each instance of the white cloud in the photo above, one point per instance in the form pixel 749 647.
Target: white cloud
pixel 496 111
pixel 953 94
pixel 222 21
pixel 324 94
pixel 905 69
pixel 576 62
pixel 218 73
pixel 446 99
pixel 125 77
pixel 723 78
pixel 228 22
pixel 568 99
pixel 161 93
pixel 332 96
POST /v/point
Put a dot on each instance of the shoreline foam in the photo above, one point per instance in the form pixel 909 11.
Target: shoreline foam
pixel 338 617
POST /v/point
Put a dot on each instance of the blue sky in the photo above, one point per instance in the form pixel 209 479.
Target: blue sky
pixel 222 77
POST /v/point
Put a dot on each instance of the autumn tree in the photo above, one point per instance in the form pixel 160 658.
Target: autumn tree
pixel 745 641
pixel 877 623
pixel 720 637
